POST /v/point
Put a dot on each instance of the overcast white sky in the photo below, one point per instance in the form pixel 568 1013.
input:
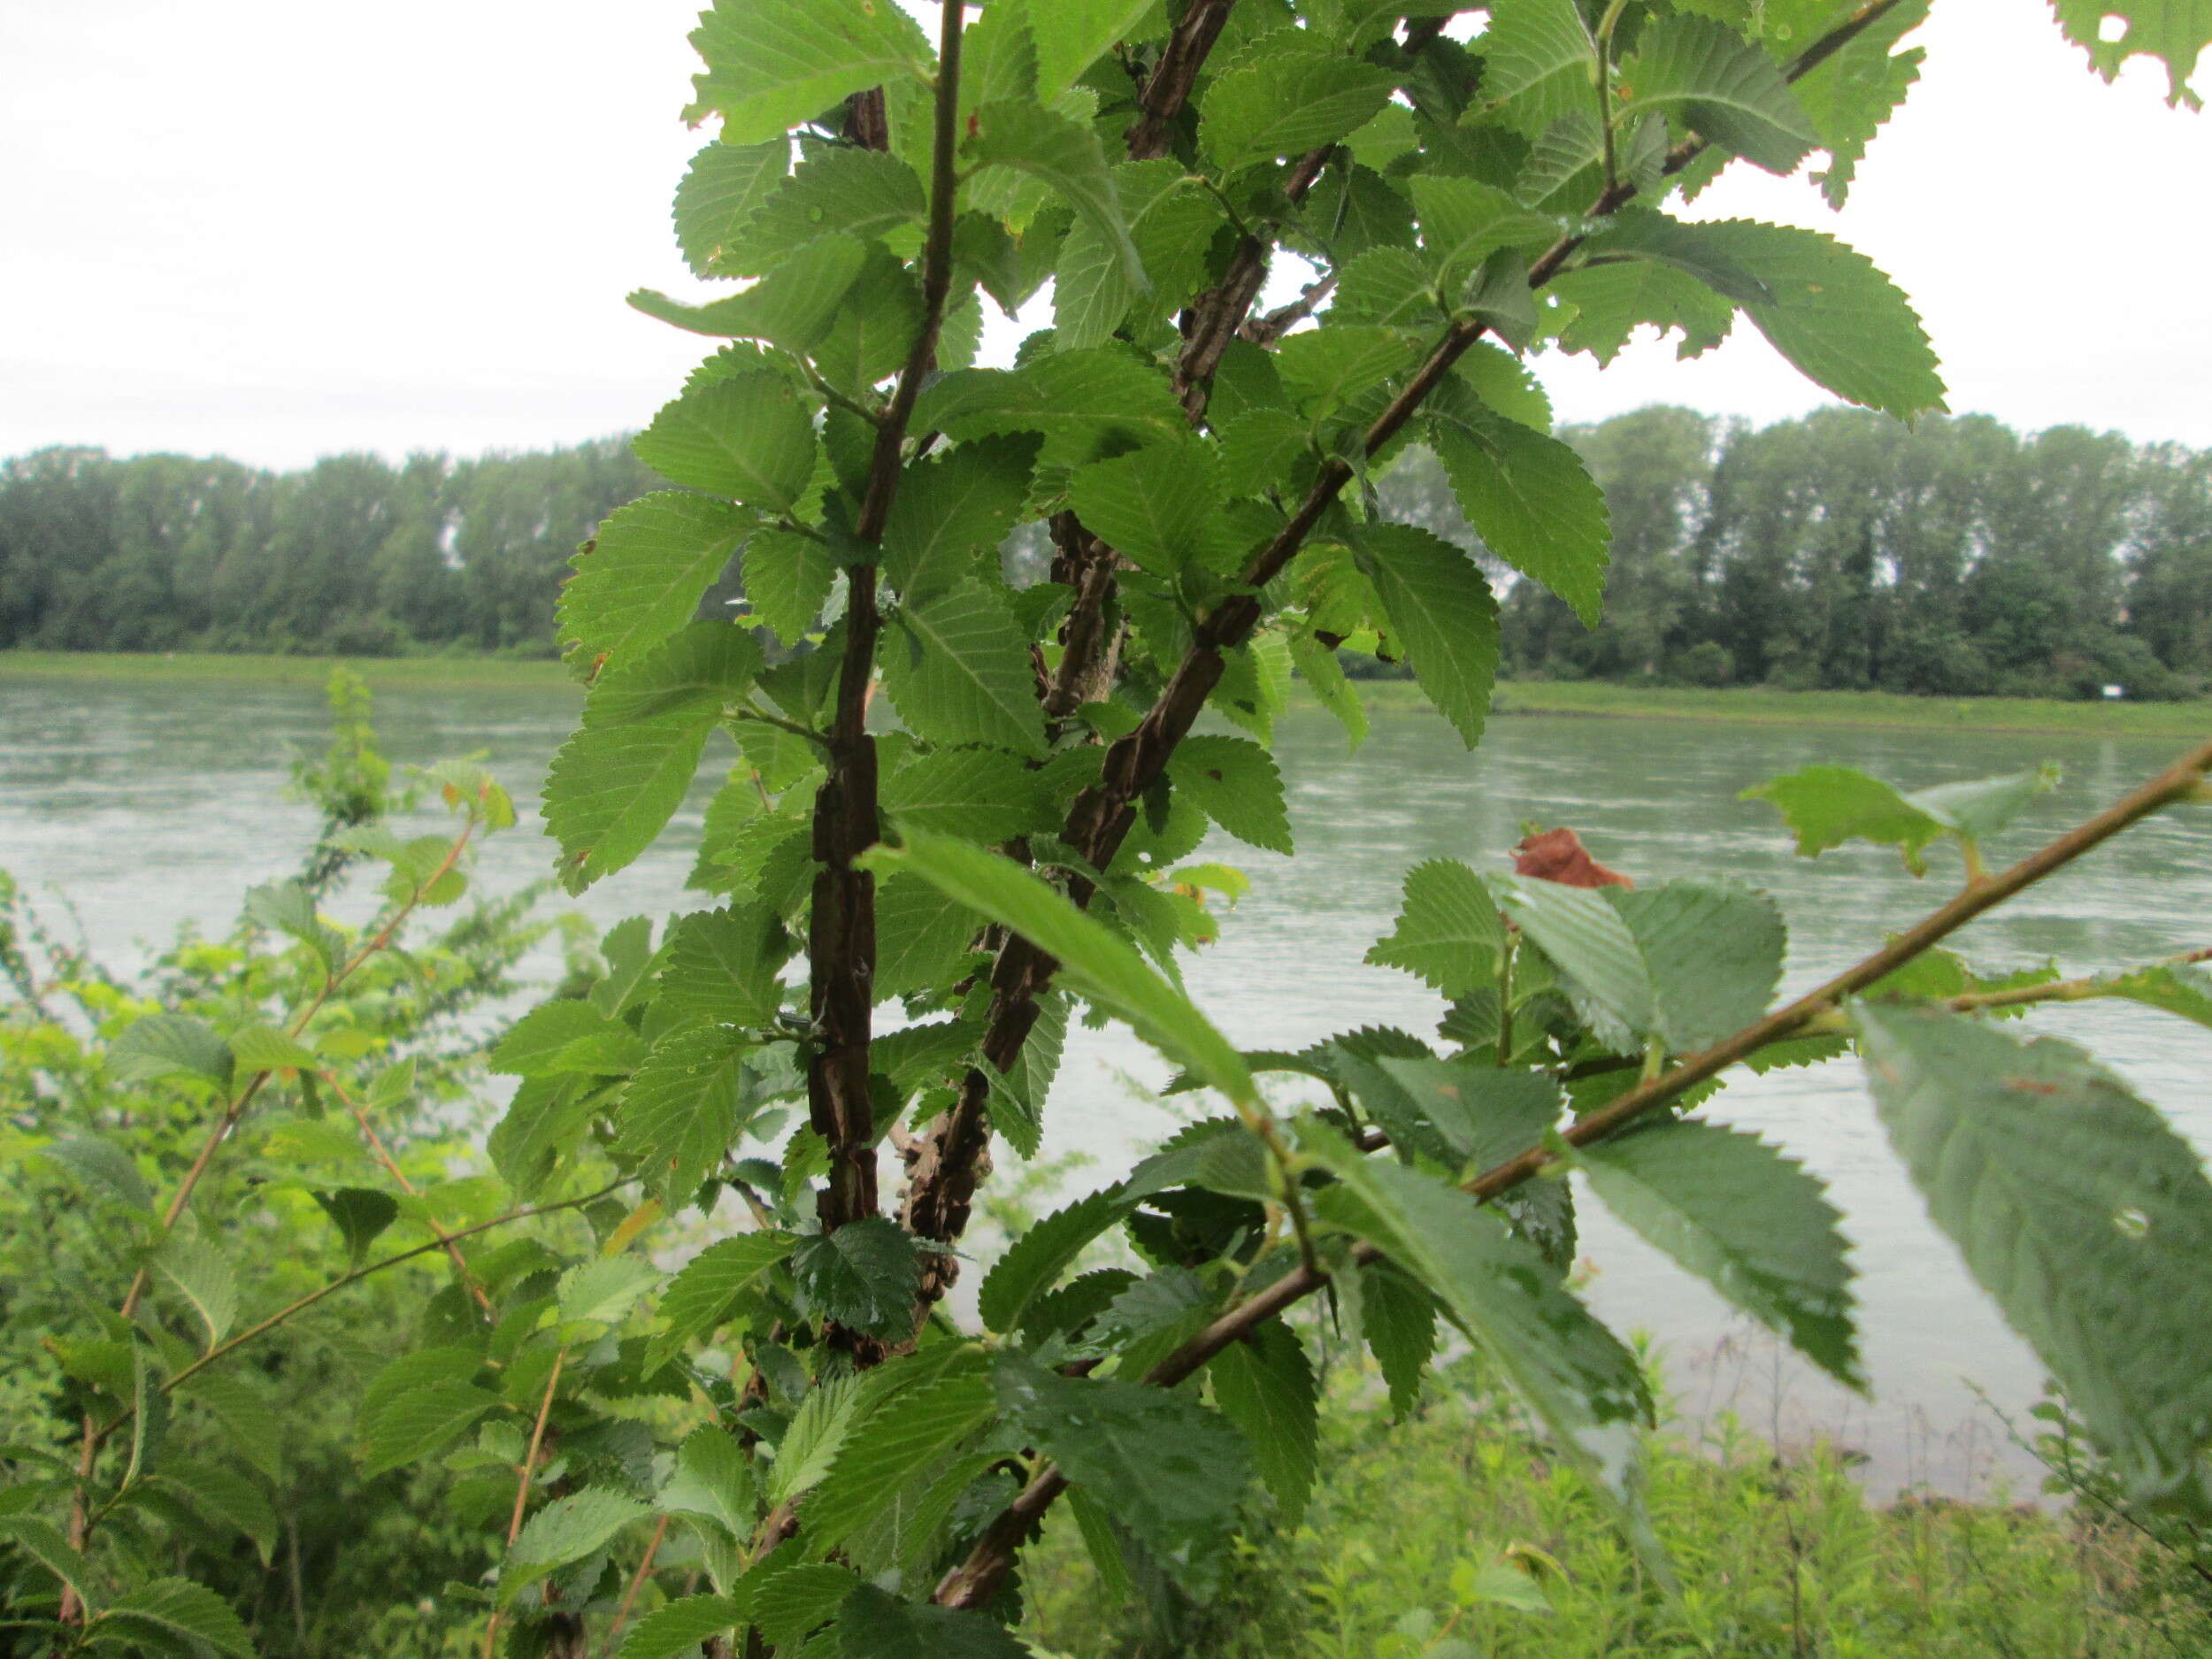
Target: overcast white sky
pixel 276 230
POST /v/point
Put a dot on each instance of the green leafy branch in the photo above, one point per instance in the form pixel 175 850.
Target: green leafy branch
pixel 978 1578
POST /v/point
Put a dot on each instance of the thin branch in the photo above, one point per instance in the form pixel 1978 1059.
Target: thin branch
pixel 637 1582
pixel 976 1578
pixel 528 1472
pixel 391 1166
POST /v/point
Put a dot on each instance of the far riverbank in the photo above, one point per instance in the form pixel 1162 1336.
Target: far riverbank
pixel 1755 705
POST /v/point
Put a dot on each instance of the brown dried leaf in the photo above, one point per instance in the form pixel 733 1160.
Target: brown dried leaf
pixel 1558 855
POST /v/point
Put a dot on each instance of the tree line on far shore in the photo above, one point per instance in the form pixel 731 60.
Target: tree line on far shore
pixel 1838 550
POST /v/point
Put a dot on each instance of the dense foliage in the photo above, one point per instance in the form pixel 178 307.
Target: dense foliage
pixel 1844 550
pixel 793 1439
pixel 353 557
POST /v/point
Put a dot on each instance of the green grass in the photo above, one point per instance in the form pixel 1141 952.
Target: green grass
pixel 433 673
pixel 1759 705
pixel 1779 1558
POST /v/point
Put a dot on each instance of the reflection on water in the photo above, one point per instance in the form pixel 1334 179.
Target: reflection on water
pixel 151 804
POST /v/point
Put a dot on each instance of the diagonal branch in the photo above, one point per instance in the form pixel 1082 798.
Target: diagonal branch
pixel 977 1579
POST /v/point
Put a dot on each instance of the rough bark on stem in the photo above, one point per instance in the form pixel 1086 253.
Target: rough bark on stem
pixel 842 927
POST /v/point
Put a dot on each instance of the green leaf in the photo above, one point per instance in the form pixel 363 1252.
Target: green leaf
pixel 704 1292
pixel 684 1626
pixel 1688 961
pixel 1529 497
pixel 1235 782
pixel 1747 1220
pixel 197 1273
pixel 1485 1113
pixel 787 577
pixel 1170 1470
pixel 1087 404
pixel 749 437
pixel 1153 503
pixel 157 1046
pixel 103 1165
pixel 681 1112
pixel 178 1610
pixel 1829 805
pixel 1094 960
pixel 650 562
pixel 873 1624
pixel 713 1479
pixel 1072 34
pixel 1326 368
pixel 837 190
pixel 1713 950
pixel 44 1544
pixel 1265 1385
pixel 1286 102
pixel 795 306
pixel 1443 616
pixel 565 1035
pixel 2085 1217
pixel 959 671
pixel 1325 677
pixel 1538 54
pixel 922 936
pixel 620 779
pixel 872 325
pixel 771 63
pixel 602 1289
pixel 2174 31
pixel 903 1442
pixel 421 1422
pixel 229 1500
pixel 1448 933
pixel 565 1530
pixel 791 1602
pixel 1463 221
pixel 361 1214
pixel 952 512
pixel 2180 988
pixel 977 794
pixel 721 968
pixel 1398 1321
pixel 1822 305
pixel 260 1048
pixel 290 907
pixel 1024 138
pixel 1574 1374
pixel 1728 92
pixel 719 191
pixel 1980 808
pixel 1035 1260
pixel 1610 302
pixel 863 1275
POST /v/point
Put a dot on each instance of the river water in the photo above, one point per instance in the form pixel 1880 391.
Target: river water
pixel 150 804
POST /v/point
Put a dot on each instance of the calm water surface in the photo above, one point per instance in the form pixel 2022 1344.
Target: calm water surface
pixel 149 805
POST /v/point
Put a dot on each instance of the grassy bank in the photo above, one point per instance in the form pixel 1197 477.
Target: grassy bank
pixel 1757 705
pixel 1452 1537
pixel 1752 705
pixel 430 672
